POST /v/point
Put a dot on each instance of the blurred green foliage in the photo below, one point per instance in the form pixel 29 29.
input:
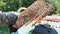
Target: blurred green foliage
pixel 26 3
pixel 4 5
pixel 14 5
pixel 4 29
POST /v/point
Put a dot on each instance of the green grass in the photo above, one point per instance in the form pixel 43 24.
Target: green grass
pixel 4 29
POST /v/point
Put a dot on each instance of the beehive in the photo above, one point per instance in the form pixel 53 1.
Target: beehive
pixel 38 8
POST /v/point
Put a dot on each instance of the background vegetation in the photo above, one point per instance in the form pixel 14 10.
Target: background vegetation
pixel 4 29
pixel 13 5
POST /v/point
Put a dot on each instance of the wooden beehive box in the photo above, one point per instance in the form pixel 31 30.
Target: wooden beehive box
pixel 38 8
